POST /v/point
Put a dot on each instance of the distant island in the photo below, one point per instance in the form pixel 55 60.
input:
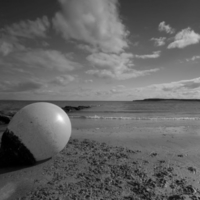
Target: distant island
pixel 160 99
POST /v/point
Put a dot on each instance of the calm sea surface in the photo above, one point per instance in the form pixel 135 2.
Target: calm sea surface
pixel 123 110
pixel 118 113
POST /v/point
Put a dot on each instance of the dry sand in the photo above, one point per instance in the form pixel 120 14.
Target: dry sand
pixel 127 160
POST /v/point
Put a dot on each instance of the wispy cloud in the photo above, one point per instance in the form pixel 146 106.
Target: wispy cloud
pixel 115 66
pixel 166 28
pixel 49 59
pixel 184 38
pixel 180 85
pixel 62 80
pixel 6 47
pixel 193 58
pixel 9 44
pixel 178 89
pixel 37 85
pixel 94 22
pixel 12 35
pixel 87 48
pixel 159 41
pixel 20 86
pixel 155 54
pixel 128 74
pixel 113 61
pixel 28 29
pixel 88 81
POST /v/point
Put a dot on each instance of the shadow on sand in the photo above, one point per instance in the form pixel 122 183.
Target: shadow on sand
pixel 6 168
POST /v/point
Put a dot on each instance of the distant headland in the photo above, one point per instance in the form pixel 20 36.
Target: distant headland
pixel 161 99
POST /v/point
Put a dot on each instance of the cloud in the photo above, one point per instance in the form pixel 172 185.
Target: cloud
pixel 95 22
pixel 62 80
pixel 114 61
pixel 116 66
pixel 184 38
pixel 120 76
pixel 17 70
pixel 87 48
pixel 155 54
pixel 10 44
pixel 159 41
pixel 191 84
pixel 23 86
pixel 49 59
pixel 88 81
pixel 185 89
pixel 5 47
pixel 193 58
pixel 166 28
pixel 11 35
pixel 28 29
pixel 178 86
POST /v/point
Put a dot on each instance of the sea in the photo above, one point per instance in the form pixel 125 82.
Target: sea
pixel 110 113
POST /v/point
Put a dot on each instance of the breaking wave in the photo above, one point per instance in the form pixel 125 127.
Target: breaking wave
pixel 134 118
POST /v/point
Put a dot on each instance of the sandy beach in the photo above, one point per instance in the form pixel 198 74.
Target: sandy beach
pixel 128 160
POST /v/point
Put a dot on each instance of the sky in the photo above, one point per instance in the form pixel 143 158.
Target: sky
pixel 99 49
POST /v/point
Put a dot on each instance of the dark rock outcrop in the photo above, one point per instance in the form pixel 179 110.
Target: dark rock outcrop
pixel 4 119
pixel 73 108
pixel 5 116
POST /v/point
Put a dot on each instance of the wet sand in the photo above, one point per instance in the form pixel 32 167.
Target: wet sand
pixel 118 160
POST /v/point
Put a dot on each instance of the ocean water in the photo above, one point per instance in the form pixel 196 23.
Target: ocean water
pixel 113 114
pixel 123 110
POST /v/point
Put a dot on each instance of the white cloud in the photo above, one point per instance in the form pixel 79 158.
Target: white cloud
pixel 131 73
pixel 155 54
pixel 62 80
pixel 116 66
pixel 114 61
pixel 95 22
pixel 49 59
pixel 88 81
pixel 166 28
pixel 185 89
pixel 20 86
pixel 193 58
pixel 159 41
pixel 10 44
pixel 6 47
pixel 28 29
pixel 87 48
pixel 11 35
pixel 184 38
pixel 178 89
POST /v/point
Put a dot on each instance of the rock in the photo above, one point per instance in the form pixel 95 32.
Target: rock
pixel 73 108
pixel 176 197
pixel 4 119
pixel 5 116
pixel 180 155
pixel 189 190
pixel 153 154
pixel 192 169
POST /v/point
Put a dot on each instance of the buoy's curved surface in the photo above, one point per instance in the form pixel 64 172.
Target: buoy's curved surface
pixel 43 128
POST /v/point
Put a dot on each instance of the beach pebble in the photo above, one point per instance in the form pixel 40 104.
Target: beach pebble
pixel 37 132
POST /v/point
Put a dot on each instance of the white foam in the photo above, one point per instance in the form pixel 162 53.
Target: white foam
pixel 135 118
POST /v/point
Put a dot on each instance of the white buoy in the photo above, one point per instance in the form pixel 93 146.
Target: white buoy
pixel 41 129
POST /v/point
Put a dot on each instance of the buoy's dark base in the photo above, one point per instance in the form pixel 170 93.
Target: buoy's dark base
pixel 13 152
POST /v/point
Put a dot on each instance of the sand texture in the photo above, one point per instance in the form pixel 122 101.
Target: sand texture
pixel 149 161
